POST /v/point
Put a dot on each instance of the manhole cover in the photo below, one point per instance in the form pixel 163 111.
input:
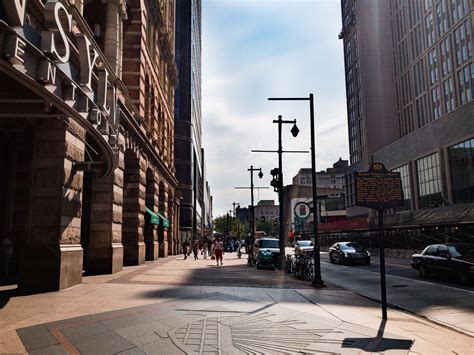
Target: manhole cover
pixel 399 285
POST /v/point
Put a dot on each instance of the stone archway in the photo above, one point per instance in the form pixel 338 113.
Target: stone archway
pixel 133 209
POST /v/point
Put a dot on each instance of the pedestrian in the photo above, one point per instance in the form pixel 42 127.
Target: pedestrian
pixel 204 250
pixel 7 251
pixel 218 250
pixel 185 249
pixel 213 251
pixel 209 245
pixel 195 249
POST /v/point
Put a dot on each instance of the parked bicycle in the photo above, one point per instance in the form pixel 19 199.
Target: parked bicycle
pixel 303 266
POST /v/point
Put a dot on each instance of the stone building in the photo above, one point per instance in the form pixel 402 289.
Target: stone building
pixel 86 137
pixel 409 83
pixel 266 210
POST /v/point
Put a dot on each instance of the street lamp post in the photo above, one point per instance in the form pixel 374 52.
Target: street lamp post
pixel 317 281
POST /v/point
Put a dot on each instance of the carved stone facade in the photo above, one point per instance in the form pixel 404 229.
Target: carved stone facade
pixel 86 138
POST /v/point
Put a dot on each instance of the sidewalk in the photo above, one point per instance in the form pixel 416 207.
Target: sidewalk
pixel 177 306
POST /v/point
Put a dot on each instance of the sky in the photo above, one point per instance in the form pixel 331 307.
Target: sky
pixel 252 50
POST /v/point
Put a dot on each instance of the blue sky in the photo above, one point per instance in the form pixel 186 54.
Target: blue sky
pixel 252 50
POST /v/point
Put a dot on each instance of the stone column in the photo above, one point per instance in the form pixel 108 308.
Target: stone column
pixel 52 257
pixel 104 253
pixel 171 227
pixel 151 230
pixel 163 232
pixel 133 209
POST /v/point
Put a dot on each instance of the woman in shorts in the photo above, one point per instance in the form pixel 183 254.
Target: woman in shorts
pixel 218 250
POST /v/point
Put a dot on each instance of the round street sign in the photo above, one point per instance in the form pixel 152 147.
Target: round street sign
pixel 302 210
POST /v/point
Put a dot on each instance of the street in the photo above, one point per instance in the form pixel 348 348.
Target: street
pixel 175 306
pixel 439 300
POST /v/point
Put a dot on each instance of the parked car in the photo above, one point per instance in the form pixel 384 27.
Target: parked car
pixel 304 246
pixel 270 244
pixel 455 260
pixel 348 253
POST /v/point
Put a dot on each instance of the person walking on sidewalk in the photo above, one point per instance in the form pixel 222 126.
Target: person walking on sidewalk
pixel 185 249
pixel 195 249
pixel 218 250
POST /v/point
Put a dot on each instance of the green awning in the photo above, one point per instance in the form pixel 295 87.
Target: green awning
pixel 164 221
pixel 154 217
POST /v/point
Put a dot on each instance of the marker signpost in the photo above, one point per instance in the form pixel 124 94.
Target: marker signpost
pixel 379 189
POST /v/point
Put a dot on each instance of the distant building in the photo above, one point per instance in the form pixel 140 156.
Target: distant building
pixel 329 178
pixel 189 158
pixel 266 210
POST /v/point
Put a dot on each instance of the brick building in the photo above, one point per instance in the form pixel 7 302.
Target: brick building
pixel 409 81
pixel 86 137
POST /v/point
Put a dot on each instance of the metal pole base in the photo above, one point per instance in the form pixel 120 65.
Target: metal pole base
pixel 318 283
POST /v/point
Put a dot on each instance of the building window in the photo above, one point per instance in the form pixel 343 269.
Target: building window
pixel 405 177
pixel 429 182
pixel 433 66
pixel 428 4
pixel 462 36
pixel 458 9
pixel 466 81
pixel 416 40
pixel 419 73
pixel 422 111
pixel 449 103
pixel 445 56
pixel 429 27
pixel 442 18
pixel 435 103
pixel 461 165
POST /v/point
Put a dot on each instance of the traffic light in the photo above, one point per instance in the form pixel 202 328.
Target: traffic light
pixel 276 179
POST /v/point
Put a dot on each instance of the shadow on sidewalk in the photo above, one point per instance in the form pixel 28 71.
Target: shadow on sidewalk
pixel 379 343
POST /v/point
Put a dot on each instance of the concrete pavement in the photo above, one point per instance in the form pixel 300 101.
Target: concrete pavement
pixel 176 306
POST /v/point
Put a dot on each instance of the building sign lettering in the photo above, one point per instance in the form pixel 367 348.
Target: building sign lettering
pixel 95 100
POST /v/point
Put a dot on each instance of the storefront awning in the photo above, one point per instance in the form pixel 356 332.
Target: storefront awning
pixel 164 221
pixel 154 217
pixel 158 218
